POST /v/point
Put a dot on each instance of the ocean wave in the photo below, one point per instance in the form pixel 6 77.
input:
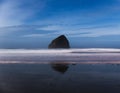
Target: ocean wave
pixel 48 51
pixel 59 55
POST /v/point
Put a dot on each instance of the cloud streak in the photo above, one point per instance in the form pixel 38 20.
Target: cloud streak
pixel 91 31
pixel 51 28
pixel 13 13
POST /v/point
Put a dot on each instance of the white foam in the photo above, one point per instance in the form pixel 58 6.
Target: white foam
pixel 65 55
pixel 48 51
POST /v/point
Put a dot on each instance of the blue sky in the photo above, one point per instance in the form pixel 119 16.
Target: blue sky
pixel 34 23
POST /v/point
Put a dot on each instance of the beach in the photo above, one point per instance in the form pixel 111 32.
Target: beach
pixel 60 71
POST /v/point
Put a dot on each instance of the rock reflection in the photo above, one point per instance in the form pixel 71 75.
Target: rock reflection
pixel 60 67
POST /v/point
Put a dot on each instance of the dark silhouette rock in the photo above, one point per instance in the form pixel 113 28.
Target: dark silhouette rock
pixel 59 67
pixel 59 42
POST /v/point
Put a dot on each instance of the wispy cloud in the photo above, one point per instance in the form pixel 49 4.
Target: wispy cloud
pixel 10 14
pixel 13 13
pixel 91 31
pixel 51 28
pixel 94 22
pixel 98 32
pixel 34 35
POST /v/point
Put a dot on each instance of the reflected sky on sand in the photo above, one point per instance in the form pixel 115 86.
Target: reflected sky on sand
pixel 47 78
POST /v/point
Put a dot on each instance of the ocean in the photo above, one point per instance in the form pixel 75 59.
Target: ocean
pixel 91 70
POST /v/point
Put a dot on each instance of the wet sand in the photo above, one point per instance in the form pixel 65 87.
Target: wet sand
pixel 60 71
pixel 59 78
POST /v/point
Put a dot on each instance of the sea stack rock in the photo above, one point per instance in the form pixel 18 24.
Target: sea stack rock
pixel 59 42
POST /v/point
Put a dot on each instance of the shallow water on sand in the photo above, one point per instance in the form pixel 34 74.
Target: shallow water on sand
pixel 59 78
pixel 84 71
